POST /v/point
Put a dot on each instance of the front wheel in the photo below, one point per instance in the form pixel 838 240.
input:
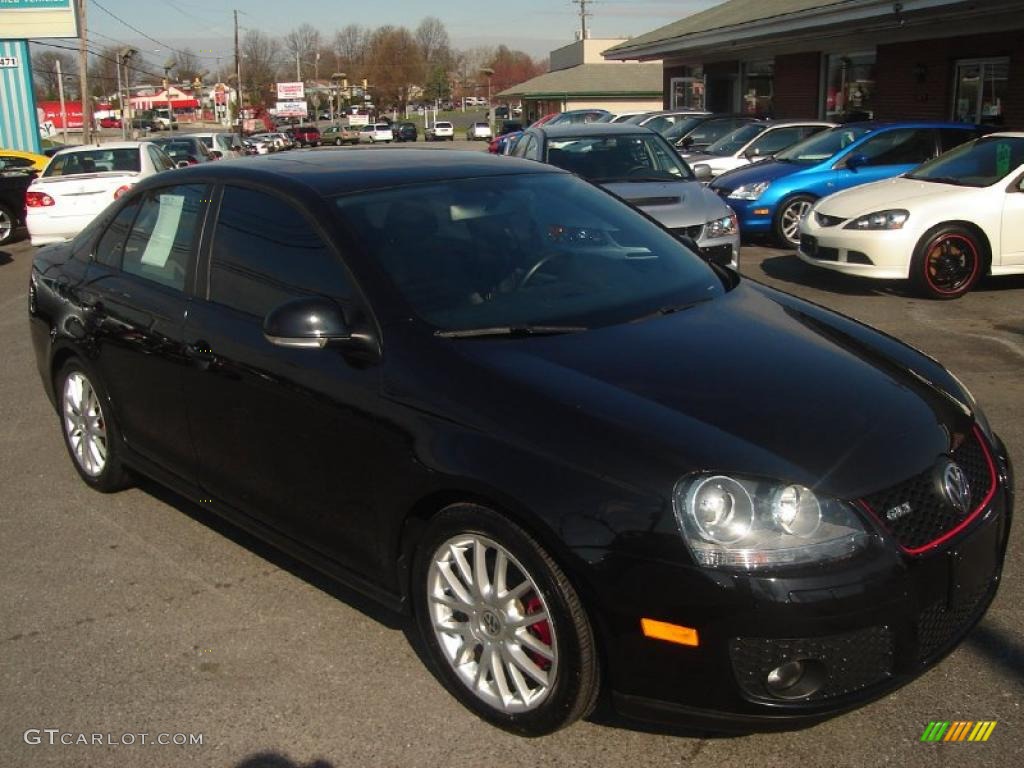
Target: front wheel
pixel 90 434
pixel 505 630
pixel 947 263
pixel 787 219
pixel 7 224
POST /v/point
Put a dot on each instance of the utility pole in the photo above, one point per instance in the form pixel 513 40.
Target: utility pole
pixel 83 73
pixel 238 82
pixel 583 16
pixel 298 72
pixel 63 109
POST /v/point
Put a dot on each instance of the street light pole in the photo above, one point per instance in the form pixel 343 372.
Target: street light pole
pixel 63 109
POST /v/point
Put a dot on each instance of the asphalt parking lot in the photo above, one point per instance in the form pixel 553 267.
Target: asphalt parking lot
pixel 140 612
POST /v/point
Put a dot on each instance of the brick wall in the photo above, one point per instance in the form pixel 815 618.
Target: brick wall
pixel 797 85
pixel 915 80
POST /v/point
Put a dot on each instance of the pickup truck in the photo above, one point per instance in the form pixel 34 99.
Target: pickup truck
pixel 13 185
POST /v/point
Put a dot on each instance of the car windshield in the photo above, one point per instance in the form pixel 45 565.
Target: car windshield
pixel 979 163
pixel 525 250
pixel 178 149
pixel 733 142
pixel 681 127
pixel 620 157
pixel 822 145
pixel 94 161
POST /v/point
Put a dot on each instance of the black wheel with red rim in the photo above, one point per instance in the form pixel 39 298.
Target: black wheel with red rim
pixel 947 262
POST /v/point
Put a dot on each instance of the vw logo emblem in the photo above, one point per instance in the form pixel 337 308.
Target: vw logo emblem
pixel 490 623
pixel 956 487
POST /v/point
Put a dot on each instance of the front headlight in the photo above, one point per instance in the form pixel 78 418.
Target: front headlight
pixel 747 523
pixel 749 191
pixel 880 220
pixel 727 225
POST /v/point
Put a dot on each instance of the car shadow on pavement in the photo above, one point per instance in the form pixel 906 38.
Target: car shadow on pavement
pixel 788 268
pixel 277 760
pixel 1000 648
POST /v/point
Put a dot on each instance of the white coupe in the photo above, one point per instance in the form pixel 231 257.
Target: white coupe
pixel 943 225
pixel 79 182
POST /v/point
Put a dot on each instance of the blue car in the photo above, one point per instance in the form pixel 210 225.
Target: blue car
pixel 772 196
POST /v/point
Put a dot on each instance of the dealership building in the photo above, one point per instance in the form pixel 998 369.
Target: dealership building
pixel 845 59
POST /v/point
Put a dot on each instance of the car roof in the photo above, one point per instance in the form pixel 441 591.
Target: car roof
pixel 107 145
pixel 329 172
pixel 777 123
pixel 566 130
pixel 874 125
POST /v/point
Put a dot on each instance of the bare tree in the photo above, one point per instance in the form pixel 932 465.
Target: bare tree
pixel 44 74
pixel 432 37
pixel 393 66
pixel 350 48
pixel 260 55
pixel 302 44
pixel 188 66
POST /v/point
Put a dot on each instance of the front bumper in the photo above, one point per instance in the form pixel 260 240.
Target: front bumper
pixel 755 216
pixel 884 255
pixel 870 625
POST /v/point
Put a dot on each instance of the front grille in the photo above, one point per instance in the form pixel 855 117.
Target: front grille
pixel 939 625
pixel 857 257
pixel 827 221
pixel 930 515
pixel 695 231
pixel 809 247
pixel 719 254
pixel 852 660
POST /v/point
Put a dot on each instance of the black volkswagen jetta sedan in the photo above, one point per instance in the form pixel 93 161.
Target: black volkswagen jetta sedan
pixel 487 392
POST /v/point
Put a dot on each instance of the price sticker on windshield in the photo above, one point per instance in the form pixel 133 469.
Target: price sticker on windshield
pixel 1002 159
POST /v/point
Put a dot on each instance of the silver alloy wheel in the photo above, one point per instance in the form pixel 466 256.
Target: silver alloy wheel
pixel 492 623
pixel 6 225
pixel 84 425
pixel 791 217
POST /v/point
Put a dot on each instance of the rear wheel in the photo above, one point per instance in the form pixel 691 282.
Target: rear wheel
pixel 947 263
pixel 90 434
pixel 504 628
pixel 7 225
pixel 787 219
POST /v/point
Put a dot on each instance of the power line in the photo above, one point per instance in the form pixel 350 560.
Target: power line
pixel 148 37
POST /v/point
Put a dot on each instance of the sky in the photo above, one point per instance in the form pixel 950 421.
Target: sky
pixel 535 26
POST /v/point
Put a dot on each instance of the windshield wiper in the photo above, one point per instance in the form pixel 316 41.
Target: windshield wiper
pixel 512 331
pixel 669 309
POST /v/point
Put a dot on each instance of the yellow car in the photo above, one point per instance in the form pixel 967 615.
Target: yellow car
pixel 14 159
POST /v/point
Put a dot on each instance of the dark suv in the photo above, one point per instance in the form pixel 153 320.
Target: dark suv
pixel 306 135
pixel 405 132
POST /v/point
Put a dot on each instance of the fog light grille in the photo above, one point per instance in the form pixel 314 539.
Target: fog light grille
pixel 847 662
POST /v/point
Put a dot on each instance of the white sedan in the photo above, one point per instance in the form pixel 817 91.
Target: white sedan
pixel 752 142
pixel 79 182
pixel 943 225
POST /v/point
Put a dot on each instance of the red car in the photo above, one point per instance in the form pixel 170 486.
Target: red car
pixel 110 122
pixel 306 135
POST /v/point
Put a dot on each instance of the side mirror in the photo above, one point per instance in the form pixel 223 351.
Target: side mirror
pixel 751 153
pixel 703 172
pixel 309 322
pixel 685 143
pixel 217 153
pixel 182 164
pixel 856 160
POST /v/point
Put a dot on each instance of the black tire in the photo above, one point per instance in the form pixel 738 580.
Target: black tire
pixel 8 225
pixel 948 262
pixel 113 476
pixel 574 690
pixel 784 218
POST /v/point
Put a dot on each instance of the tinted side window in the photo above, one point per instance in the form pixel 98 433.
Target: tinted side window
pixel 160 161
pixel 110 247
pixel 950 138
pixel 265 252
pixel 904 146
pixel 780 138
pixel 159 247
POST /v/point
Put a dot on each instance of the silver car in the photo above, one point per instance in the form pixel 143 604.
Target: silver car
pixel 640 166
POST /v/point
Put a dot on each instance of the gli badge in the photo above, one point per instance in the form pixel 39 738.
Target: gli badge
pixel 955 486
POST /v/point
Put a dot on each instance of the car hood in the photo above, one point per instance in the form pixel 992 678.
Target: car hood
pixel 891 193
pixel 754 382
pixel 673 203
pixel 766 170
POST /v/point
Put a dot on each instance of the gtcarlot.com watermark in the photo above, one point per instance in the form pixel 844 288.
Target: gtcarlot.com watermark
pixel 57 737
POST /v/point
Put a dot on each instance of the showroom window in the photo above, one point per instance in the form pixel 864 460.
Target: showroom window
pixel 850 87
pixel 687 92
pixel 980 90
pixel 757 87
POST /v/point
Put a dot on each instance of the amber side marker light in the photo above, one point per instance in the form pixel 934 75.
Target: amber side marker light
pixel 672 633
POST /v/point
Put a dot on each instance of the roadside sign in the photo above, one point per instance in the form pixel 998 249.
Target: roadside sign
pixel 292 109
pixel 36 19
pixel 291 91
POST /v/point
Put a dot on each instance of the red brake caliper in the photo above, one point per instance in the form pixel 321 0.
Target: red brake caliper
pixel 541 630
